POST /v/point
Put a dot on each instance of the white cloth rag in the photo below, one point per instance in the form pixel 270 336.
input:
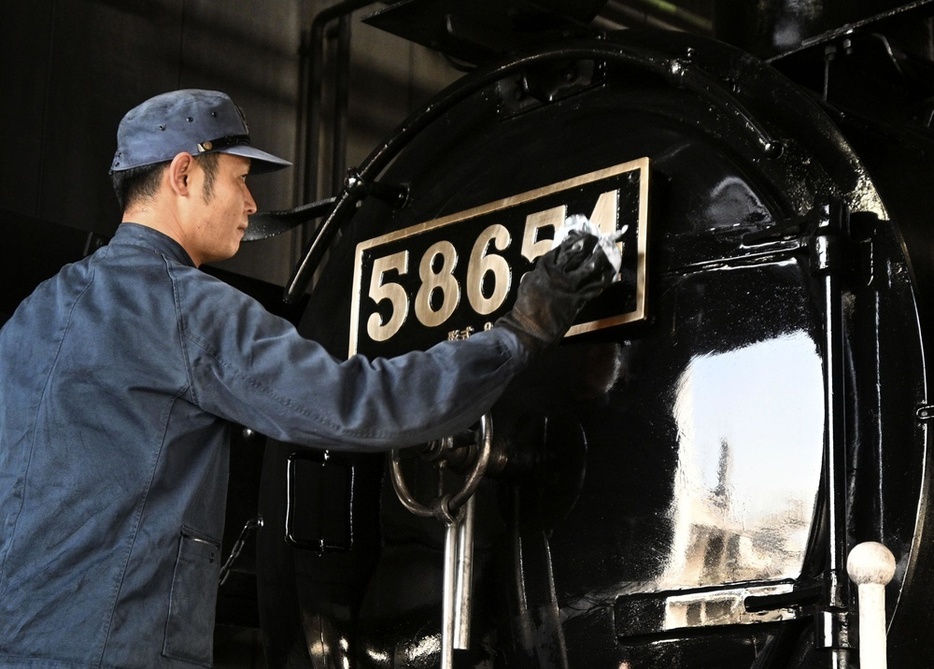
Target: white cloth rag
pixel 607 242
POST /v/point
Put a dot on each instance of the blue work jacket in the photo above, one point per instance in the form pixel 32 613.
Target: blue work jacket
pixel 119 380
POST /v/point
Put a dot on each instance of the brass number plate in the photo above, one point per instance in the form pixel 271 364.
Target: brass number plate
pixel 451 276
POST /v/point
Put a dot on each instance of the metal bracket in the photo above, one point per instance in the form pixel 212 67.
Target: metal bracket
pixel 265 224
pixel 834 630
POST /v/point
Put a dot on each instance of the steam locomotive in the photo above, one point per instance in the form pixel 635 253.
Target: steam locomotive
pixel 680 482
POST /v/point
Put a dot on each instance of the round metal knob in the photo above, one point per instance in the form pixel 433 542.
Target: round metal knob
pixel 870 562
pixel 871 565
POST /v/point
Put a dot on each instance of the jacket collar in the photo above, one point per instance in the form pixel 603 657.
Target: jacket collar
pixel 134 234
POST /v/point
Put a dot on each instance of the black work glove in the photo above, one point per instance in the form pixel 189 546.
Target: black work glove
pixel 551 295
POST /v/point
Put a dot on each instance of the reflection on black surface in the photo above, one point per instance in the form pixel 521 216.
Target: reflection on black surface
pixel 704 461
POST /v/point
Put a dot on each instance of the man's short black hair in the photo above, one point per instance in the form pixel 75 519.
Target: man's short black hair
pixel 137 183
pixel 142 183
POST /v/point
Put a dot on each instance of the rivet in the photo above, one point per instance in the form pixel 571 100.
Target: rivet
pixel 190 119
pixel 161 127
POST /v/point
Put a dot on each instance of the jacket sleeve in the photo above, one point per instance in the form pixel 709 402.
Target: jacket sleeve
pixel 253 368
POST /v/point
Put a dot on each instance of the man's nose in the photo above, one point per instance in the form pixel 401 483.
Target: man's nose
pixel 248 202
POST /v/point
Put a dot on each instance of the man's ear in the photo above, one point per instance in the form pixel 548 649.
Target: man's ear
pixel 179 173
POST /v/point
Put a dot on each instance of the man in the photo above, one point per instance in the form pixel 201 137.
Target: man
pixel 120 376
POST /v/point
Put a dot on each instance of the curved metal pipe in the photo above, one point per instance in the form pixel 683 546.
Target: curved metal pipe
pixel 313 86
pixel 341 102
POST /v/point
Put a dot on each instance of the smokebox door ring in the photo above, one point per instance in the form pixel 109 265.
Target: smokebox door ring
pixel 679 73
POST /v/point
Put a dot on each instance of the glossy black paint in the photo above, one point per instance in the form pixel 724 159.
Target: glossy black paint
pixel 666 501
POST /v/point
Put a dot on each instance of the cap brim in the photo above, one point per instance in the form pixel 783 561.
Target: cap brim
pixel 260 161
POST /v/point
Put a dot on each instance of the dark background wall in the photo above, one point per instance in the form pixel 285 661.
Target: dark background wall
pixel 70 69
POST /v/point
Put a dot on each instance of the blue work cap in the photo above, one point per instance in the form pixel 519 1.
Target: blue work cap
pixel 193 121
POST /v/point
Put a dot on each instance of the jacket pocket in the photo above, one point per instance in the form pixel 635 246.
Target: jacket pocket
pixel 189 631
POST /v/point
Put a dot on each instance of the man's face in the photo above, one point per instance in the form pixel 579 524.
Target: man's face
pixel 221 216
